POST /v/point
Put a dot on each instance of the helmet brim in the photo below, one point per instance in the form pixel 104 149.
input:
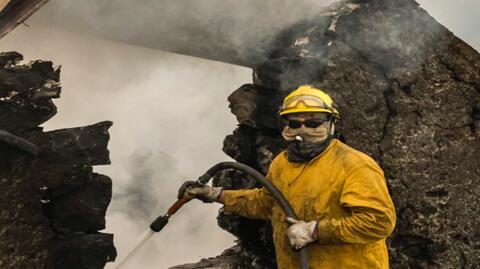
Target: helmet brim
pixel 306 110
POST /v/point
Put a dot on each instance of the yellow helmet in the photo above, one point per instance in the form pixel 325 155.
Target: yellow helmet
pixel 306 98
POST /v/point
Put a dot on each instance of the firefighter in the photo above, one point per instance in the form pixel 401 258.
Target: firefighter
pixel 339 193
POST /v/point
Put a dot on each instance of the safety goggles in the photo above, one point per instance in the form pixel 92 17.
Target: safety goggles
pixel 305 100
pixel 312 123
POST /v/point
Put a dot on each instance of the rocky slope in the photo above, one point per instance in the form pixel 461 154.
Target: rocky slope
pixel 409 95
pixel 52 203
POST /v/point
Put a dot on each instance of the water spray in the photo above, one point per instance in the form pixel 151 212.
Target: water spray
pixel 159 223
pixel 156 226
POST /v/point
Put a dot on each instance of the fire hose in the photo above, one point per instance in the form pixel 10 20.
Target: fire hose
pixel 158 224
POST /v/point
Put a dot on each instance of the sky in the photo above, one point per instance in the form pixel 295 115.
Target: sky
pixel 460 16
pixel 170 117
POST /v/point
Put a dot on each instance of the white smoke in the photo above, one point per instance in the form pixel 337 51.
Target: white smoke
pixel 207 28
pixel 170 115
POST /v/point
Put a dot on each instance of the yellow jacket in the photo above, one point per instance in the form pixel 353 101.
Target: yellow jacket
pixel 342 188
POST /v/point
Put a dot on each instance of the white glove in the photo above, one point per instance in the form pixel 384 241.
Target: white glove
pixel 301 233
pixel 205 193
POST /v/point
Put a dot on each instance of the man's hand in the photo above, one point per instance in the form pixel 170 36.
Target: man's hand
pixel 205 193
pixel 301 233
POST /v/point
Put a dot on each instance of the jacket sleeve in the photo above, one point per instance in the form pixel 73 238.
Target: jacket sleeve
pixel 253 203
pixel 371 211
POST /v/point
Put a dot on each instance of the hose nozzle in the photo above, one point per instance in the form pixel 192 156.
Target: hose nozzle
pixel 158 224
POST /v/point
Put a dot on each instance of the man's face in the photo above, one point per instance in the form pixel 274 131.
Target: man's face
pixel 311 127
